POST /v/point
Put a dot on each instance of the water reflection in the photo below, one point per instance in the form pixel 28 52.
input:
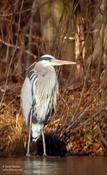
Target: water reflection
pixel 54 166
pixel 45 166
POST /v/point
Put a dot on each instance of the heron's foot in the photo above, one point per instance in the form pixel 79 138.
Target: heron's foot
pixel 28 155
pixel 45 155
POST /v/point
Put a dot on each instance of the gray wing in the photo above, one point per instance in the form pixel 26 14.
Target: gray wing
pixel 26 97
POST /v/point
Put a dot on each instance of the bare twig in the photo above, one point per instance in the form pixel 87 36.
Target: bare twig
pixel 11 60
pixel 17 47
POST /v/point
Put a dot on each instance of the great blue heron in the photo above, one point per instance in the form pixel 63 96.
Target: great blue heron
pixel 38 96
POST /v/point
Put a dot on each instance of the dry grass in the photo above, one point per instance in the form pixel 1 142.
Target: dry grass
pixel 13 134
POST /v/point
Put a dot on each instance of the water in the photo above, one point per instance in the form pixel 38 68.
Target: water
pixel 54 166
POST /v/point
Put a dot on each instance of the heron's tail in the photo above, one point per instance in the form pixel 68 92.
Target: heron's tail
pixel 36 131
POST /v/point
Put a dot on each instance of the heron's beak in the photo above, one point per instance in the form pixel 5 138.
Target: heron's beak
pixel 62 62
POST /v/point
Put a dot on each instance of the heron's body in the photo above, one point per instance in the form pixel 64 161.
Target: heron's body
pixel 43 103
pixel 38 96
pixel 35 86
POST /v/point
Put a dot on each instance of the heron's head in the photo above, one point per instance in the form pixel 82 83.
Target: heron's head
pixel 48 60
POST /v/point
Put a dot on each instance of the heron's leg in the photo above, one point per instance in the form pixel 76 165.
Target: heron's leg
pixel 44 144
pixel 28 143
pixel 29 136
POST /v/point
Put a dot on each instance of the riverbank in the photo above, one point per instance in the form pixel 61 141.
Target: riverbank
pixel 64 135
